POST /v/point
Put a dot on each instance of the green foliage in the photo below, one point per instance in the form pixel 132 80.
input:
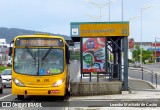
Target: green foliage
pixel 130 61
pixel 146 54
pixel 2 68
pixel 151 61
pixel 136 53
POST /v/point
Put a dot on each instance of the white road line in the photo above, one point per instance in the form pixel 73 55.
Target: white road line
pixel 5 96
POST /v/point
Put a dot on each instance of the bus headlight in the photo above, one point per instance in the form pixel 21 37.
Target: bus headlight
pixel 58 83
pixel 18 82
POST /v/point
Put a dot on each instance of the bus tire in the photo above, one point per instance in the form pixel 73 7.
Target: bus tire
pixel 20 97
pixel 1 90
pixel 68 90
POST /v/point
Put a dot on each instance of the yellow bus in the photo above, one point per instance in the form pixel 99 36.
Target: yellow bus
pixel 40 66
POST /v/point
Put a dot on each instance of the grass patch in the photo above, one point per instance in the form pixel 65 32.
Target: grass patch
pixel 2 68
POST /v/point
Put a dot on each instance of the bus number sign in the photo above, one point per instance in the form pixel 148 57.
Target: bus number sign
pixel 46 80
pixel 39 42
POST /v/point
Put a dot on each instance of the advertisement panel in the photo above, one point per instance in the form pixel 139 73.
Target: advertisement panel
pixel 93 54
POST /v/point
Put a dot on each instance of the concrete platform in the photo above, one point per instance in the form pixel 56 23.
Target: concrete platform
pixel 103 87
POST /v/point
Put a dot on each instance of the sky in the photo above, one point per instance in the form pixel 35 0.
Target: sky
pixel 55 16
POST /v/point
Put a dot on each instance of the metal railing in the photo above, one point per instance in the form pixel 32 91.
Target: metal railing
pixel 147 74
pixel 112 72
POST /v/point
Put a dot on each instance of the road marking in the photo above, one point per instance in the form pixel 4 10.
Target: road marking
pixel 5 96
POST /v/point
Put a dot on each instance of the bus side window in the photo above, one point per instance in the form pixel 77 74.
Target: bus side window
pixel 67 54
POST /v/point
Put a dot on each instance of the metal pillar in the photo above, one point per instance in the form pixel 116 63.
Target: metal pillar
pixel 115 66
pixel 81 58
pixel 120 59
pixel 125 60
pixel 106 52
pixel 114 59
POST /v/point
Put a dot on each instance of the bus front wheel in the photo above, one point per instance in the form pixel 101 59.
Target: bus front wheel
pixel 1 90
pixel 20 97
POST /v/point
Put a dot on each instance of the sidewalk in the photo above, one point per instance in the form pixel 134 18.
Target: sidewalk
pixel 140 91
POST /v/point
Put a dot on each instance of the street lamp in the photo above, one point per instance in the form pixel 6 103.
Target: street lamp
pixel 94 17
pixel 143 9
pixel 100 6
pixel 132 18
pixel 122 10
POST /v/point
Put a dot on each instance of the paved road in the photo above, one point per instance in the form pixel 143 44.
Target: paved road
pixel 146 76
pixel 154 67
pixel 49 101
pixel 7 96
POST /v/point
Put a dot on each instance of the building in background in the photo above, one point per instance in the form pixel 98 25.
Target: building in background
pixel 131 43
pixel 155 47
pixel 145 45
pixel 4 52
pixel 2 41
pixel 130 48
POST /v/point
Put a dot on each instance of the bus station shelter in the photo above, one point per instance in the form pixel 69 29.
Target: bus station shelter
pixel 103 49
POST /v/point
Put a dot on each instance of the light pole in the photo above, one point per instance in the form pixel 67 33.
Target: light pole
pixel 130 19
pixel 134 17
pixel 100 6
pixel 155 50
pixel 142 9
pixel 122 10
pixel 94 17
pixel 109 10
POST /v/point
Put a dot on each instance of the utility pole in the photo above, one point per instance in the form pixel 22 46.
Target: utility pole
pixel 155 50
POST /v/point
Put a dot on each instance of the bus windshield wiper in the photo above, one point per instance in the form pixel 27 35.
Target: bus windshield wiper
pixel 46 54
pixel 30 52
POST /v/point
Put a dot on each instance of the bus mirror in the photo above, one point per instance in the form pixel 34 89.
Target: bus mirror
pixel 67 56
pixel 10 51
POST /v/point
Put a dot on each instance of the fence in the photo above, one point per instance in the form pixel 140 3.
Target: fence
pixel 112 73
pixel 146 74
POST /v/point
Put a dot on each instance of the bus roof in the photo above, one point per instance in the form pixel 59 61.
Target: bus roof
pixel 41 36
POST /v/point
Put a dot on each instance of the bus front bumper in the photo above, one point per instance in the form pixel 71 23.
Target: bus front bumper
pixel 52 91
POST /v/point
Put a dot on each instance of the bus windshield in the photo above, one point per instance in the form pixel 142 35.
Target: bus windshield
pixel 36 61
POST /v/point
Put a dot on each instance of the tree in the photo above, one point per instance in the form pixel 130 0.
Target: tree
pixel 136 53
pixel 146 54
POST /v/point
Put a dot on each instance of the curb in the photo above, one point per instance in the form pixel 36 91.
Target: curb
pixel 142 82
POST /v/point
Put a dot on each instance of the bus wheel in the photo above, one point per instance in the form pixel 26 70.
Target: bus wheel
pixel 68 90
pixel 1 90
pixel 20 97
